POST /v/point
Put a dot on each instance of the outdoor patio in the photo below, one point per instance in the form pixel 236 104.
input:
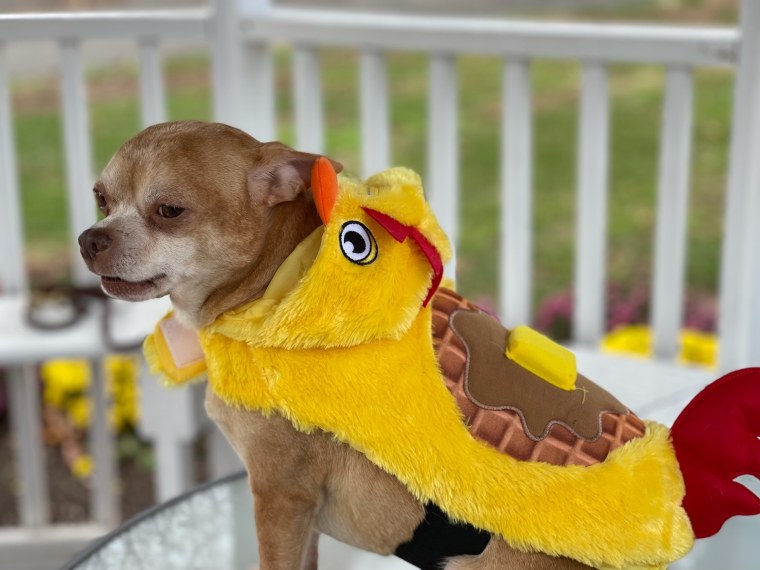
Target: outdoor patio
pixel 595 167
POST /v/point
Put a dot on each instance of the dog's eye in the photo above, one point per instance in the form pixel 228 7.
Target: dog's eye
pixel 101 201
pixel 357 243
pixel 167 211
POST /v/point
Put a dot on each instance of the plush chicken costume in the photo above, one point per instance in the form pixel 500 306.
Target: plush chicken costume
pixel 495 427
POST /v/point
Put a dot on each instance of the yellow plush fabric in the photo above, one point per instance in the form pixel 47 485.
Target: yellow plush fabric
pixel 348 350
pixel 322 312
pixel 388 401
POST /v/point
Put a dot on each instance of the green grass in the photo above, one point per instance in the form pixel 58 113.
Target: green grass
pixel 636 109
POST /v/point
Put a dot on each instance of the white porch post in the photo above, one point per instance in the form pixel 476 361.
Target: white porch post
pixel 375 122
pixel 739 325
pixel 243 72
pixel 34 502
pixel 672 211
pixel 443 148
pixel 171 433
pixel 152 91
pixel 593 182
pixel 78 151
pixel 516 253
pixel 307 100
pixel 12 272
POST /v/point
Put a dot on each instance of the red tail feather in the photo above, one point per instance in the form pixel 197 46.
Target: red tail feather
pixel 716 440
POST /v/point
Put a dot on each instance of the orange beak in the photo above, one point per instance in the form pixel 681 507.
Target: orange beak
pixel 324 187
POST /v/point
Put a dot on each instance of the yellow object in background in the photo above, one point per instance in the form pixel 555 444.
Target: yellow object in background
pixel 66 382
pixel 82 467
pixel 62 378
pixel 634 340
pixel 65 387
pixel 543 357
pixel 694 347
pixel 698 347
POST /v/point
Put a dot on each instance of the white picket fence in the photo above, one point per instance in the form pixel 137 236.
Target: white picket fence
pixel 240 34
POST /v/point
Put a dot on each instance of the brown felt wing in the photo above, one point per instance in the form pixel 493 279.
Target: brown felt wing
pixel 513 410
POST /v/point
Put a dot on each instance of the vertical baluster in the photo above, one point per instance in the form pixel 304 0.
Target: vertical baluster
pixel 739 325
pixel 103 488
pixel 77 150
pixel 12 273
pixel 244 88
pixel 516 194
pixel 245 551
pixel 374 113
pixel 225 51
pixel 171 434
pixel 24 398
pixel 308 100
pixel 152 93
pixel 221 459
pixel 443 148
pixel 258 111
pixel 591 250
pixel 672 208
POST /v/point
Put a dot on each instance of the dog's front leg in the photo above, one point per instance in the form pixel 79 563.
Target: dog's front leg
pixel 285 529
pixel 286 476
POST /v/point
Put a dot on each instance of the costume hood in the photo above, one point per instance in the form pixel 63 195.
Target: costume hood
pixel 341 342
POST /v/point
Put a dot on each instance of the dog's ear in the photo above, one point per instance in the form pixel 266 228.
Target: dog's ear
pixel 283 176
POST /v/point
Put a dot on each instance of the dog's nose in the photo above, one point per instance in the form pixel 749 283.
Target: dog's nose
pixel 94 241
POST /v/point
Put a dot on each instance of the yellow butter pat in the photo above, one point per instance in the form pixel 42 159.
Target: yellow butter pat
pixel 542 356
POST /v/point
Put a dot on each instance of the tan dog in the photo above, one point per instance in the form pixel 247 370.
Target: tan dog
pixel 206 214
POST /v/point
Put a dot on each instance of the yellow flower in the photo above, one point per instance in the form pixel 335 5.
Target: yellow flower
pixel 66 382
pixel 79 410
pixel 695 347
pixel 53 394
pixel 69 376
pixel 698 348
pixel 115 419
pixel 82 466
pixel 120 368
pixel 635 340
pixel 122 373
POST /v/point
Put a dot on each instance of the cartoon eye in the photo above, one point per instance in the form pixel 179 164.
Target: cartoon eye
pixel 357 243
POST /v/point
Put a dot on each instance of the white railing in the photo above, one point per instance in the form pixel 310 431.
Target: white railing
pixel 678 49
pixel 241 34
pixel 37 543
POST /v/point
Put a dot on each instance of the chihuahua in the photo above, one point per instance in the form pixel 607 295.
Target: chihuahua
pixel 206 214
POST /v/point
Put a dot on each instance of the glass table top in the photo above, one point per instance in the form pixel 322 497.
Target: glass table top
pixel 212 528
pixel 209 528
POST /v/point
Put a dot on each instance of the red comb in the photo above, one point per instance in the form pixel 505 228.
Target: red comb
pixel 400 232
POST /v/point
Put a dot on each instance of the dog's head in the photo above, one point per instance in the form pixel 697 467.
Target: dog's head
pixel 200 211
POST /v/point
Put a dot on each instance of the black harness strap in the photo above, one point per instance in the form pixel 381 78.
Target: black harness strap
pixel 437 538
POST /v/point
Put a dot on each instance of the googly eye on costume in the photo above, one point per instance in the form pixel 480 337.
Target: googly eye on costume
pixel 357 243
